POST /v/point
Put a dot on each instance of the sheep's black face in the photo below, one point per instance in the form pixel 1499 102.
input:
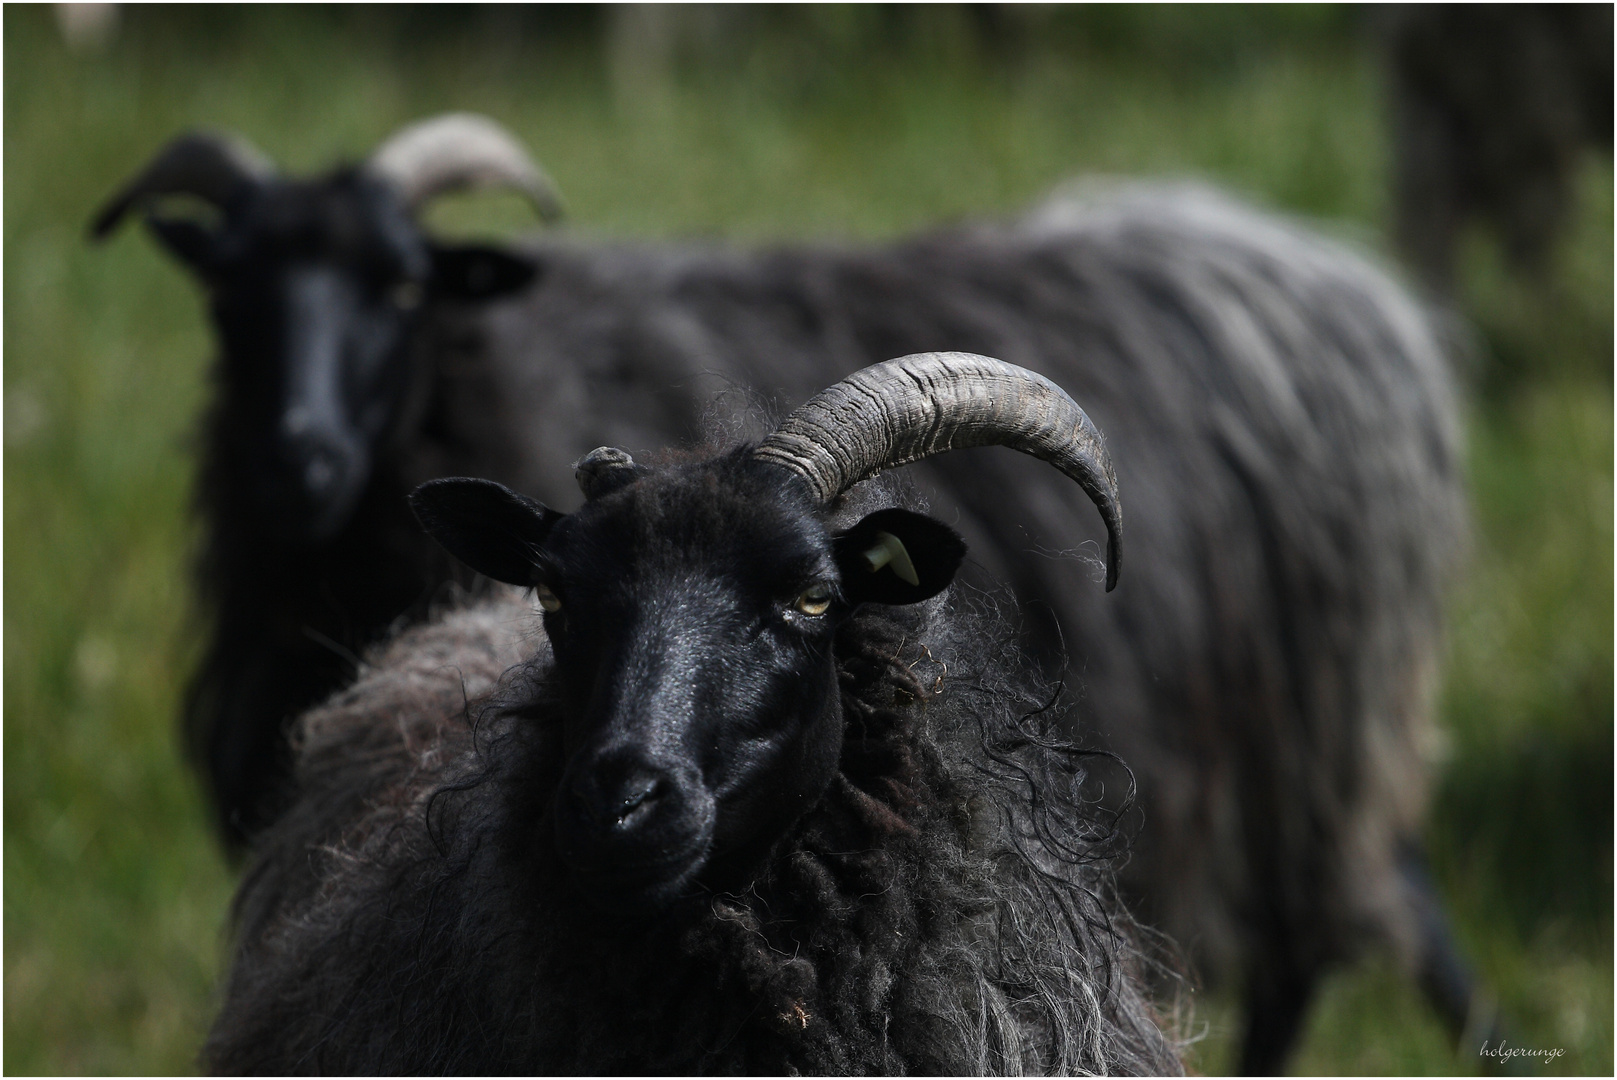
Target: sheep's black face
pixel 692 614
pixel 692 635
pixel 316 288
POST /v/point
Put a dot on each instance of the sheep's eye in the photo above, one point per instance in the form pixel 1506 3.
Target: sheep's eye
pixel 814 600
pixel 406 295
pixel 548 600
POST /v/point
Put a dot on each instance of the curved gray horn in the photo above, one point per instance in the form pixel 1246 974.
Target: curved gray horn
pixel 461 150
pixel 918 406
pixel 210 165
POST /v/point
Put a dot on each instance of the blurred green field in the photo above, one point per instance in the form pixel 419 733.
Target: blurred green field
pixel 837 121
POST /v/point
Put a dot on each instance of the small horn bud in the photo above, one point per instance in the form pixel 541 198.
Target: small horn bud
pixel 604 470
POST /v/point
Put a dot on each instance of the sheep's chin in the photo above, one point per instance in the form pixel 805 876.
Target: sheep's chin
pixel 641 893
pixel 299 519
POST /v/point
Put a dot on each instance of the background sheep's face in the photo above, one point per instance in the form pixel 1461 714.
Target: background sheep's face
pixel 316 286
pixel 692 613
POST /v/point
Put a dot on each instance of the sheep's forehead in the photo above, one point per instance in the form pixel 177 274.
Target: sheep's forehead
pixel 697 521
pixel 333 218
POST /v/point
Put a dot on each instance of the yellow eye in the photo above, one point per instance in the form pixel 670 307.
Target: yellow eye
pixel 814 600
pixel 547 599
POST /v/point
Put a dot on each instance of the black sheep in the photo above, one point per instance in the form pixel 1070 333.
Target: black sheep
pixel 1492 107
pixel 326 413
pixel 757 801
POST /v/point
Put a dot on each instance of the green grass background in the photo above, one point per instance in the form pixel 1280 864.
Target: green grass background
pixel 814 122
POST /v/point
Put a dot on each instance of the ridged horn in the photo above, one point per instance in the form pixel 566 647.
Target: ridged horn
pixel 918 406
pixel 457 151
pixel 211 165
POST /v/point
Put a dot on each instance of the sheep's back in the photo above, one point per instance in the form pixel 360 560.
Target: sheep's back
pixel 368 756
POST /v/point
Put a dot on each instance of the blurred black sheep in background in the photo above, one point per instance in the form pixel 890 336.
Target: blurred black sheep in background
pixel 325 413
pixel 757 800
pixel 1291 451
pixel 1492 105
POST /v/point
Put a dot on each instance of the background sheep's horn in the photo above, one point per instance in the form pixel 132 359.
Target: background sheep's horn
pixel 917 406
pixel 461 150
pixel 210 165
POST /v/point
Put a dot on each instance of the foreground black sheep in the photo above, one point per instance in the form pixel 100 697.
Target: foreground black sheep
pixel 757 801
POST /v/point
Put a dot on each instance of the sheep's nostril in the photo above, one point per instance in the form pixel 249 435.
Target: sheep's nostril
pixel 637 802
pixel 619 808
pixel 320 475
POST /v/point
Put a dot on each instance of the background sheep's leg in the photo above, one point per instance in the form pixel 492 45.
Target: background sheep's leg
pixel 1445 977
pixel 1277 999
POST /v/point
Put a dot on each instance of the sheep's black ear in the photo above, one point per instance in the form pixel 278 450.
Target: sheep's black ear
pixel 479 271
pixel 191 241
pixel 485 525
pixel 897 557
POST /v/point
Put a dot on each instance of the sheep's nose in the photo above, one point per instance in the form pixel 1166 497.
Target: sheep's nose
pixel 313 478
pixel 622 803
pixel 321 472
pixel 317 458
pixel 632 823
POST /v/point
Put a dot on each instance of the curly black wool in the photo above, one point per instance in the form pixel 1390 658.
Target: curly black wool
pixel 945 907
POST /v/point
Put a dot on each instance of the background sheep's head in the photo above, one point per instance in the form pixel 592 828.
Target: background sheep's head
pixel 315 288
pixel 692 608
